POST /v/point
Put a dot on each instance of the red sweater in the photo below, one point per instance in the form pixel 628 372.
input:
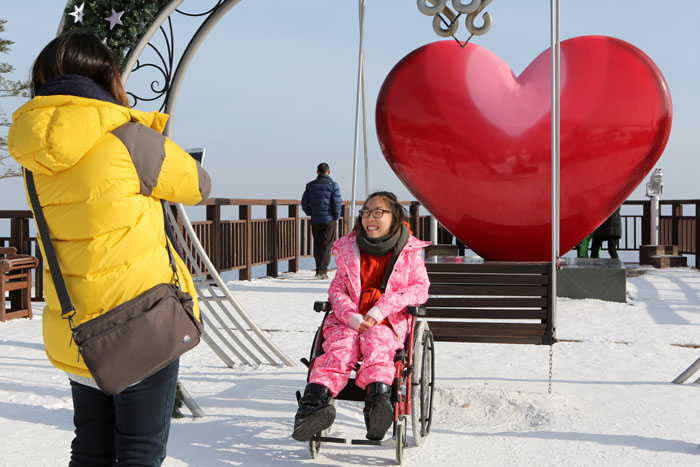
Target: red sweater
pixel 371 274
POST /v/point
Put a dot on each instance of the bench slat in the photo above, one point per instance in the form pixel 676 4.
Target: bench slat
pixel 511 290
pixel 513 279
pixel 446 329
pixel 486 302
pixel 536 340
pixel 490 267
pixel 484 313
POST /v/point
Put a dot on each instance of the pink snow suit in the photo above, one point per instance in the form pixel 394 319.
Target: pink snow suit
pixel 343 345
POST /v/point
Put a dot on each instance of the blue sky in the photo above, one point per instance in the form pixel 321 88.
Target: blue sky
pixel 271 92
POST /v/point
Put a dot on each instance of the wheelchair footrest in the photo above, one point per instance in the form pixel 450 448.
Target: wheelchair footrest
pixel 366 442
pixel 330 439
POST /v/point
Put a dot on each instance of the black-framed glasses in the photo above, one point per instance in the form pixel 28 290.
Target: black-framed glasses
pixel 376 213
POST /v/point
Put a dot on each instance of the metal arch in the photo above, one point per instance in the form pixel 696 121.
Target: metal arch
pixel 63 18
pixel 215 14
pixel 238 337
pixel 136 52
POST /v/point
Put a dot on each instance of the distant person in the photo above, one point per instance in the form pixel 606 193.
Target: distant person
pixel 609 231
pixel 461 247
pixel 380 273
pixel 322 201
pixel 582 247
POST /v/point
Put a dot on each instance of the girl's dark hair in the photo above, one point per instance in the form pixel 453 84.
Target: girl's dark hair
pixel 79 53
pixel 398 213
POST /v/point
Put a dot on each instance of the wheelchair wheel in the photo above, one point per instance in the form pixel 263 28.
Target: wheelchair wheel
pixel 400 440
pixel 422 382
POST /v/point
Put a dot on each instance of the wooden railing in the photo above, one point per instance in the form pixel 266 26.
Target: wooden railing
pixel 245 242
pixel 283 235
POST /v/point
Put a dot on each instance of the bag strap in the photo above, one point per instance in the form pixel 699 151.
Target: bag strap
pixel 67 308
pixel 171 257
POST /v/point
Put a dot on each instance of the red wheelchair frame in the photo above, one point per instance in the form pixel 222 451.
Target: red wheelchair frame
pixel 412 390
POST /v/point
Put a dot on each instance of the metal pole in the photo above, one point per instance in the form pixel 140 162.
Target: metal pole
pixel 360 60
pixel 690 371
pixel 187 55
pixel 364 128
pixel 433 229
pixel 62 23
pixel 654 220
pixel 135 53
pixel 555 117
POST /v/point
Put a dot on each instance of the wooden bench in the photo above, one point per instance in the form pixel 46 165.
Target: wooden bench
pixel 489 302
pixel 16 283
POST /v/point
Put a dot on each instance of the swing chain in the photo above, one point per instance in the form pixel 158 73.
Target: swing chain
pixel 551 356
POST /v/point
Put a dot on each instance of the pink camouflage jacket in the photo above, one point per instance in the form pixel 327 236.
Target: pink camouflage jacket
pixel 407 285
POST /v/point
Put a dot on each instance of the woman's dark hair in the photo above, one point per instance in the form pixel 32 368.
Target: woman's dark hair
pixel 398 213
pixel 79 53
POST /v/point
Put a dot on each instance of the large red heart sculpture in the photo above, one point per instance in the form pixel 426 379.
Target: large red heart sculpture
pixel 472 141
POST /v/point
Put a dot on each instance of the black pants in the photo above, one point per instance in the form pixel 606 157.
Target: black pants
pixel 129 429
pixel 323 234
pixel 461 247
pixel 598 244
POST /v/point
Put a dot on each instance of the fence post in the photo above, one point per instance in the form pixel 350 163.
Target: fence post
pixel 19 235
pixel 244 213
pixel 294 213
pixel 646 222
pixel 272 267
pixel 696 226
pixel 676 214
pixel 347 212
pixel 414 219
pixel 38 275
pixel 216 240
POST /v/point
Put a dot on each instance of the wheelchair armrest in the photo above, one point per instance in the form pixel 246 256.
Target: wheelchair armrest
pixel 322 306
pixel 419 310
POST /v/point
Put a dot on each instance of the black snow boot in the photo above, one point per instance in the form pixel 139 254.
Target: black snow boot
pixel 379 413
pixel 315 412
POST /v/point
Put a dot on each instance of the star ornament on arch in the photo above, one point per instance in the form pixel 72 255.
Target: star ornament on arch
pixel 78 13
pixel 115 19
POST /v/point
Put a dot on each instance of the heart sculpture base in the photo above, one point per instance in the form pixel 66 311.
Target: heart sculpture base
pixel 472 141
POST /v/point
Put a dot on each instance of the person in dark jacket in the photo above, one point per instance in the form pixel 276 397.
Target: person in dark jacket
pixel 609 231
pixel 322 201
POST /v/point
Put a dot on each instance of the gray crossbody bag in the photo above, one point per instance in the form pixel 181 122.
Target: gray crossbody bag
pixel 133 340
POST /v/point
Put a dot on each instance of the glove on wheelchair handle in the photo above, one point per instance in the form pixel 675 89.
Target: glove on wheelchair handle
pixel 416 310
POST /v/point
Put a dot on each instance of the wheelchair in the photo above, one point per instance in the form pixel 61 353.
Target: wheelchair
pixel 411 392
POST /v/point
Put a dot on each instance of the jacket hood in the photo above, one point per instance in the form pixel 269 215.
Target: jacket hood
pixel 51 133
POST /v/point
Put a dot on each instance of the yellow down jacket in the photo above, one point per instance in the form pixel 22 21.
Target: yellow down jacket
pixel 100 171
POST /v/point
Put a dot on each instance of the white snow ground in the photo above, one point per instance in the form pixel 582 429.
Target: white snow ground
pixel 612 402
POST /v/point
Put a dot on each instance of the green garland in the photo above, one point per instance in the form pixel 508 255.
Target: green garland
pixel 138 16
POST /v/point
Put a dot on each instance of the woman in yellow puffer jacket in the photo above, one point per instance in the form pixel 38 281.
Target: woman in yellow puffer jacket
pixel 101 170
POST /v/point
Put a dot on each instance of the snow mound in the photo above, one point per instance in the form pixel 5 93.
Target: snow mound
pixel 480 409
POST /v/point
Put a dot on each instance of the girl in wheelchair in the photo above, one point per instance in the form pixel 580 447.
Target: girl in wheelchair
pixel 380 272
